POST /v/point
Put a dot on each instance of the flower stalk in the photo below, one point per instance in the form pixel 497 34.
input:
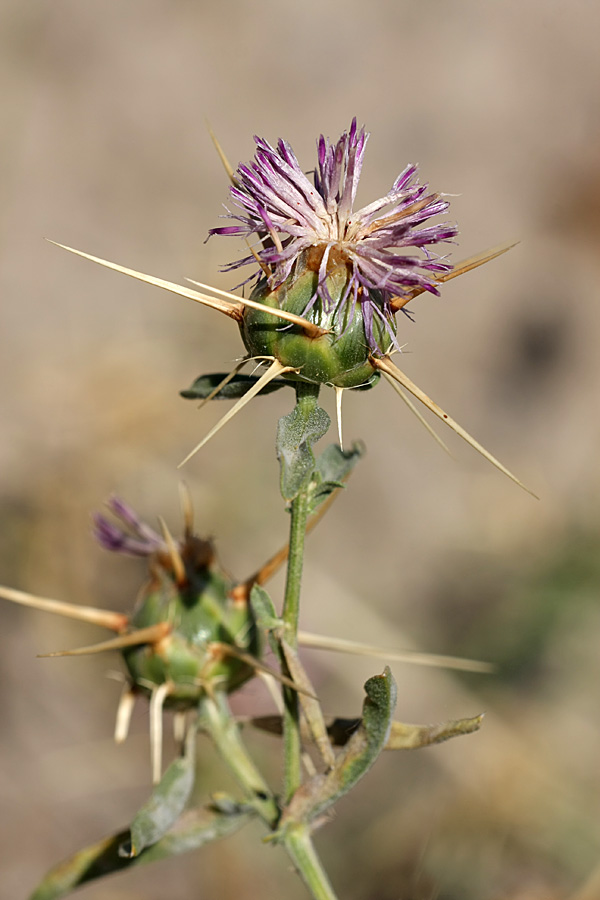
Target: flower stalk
pixel 306 400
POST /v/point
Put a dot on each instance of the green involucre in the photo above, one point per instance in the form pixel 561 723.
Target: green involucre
pixel 200 613
pixel 339 358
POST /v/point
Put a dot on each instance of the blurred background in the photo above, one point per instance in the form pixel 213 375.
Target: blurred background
pixel 105 147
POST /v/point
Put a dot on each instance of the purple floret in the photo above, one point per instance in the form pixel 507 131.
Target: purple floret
pixel 289 214
pixel 114 538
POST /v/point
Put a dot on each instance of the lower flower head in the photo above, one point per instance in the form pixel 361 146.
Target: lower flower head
pixel 189 596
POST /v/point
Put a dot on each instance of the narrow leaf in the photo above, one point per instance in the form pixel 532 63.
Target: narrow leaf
pixel 166 804
pixel 239 385
pixel 196 828
pixel 275 369
pixel 411 737
pixel 361 751
pixel 401 737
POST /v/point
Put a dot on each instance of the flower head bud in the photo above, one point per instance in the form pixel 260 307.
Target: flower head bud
pixel 336 267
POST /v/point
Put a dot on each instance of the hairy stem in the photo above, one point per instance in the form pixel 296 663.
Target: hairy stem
pixel 306 398
pixel 300 849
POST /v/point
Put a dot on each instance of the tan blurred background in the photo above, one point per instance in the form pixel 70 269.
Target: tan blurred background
pixel 104 147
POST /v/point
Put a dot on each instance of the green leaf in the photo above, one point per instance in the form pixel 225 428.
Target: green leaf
pixel 333 467
pixel 296 433
pixel 264 611
pixel 359 754
pixel 411 737
pixel 196 828
pixel 401 736
pixel 239 385
pixel 166 803
pixel 265 615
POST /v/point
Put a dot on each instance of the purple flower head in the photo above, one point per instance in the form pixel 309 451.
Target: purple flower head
pixel 290 215
pixel 143 542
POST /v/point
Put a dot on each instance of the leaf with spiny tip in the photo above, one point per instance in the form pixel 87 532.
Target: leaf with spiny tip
pixel 166 803
pixel 385 365
pixel 415 657
pixel 228 387
pixel 222 385
pixel 194 829
pixel 275 369
pixel 112 620
pixel 467 265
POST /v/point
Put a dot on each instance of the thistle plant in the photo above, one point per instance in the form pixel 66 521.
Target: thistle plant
pixel 326 285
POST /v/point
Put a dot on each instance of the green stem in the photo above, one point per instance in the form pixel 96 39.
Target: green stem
pixel 302 853
pixel 217 720
pixel 307 396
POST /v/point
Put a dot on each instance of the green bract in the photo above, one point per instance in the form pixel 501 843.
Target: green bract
pixel 339 358
pixel 204 622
